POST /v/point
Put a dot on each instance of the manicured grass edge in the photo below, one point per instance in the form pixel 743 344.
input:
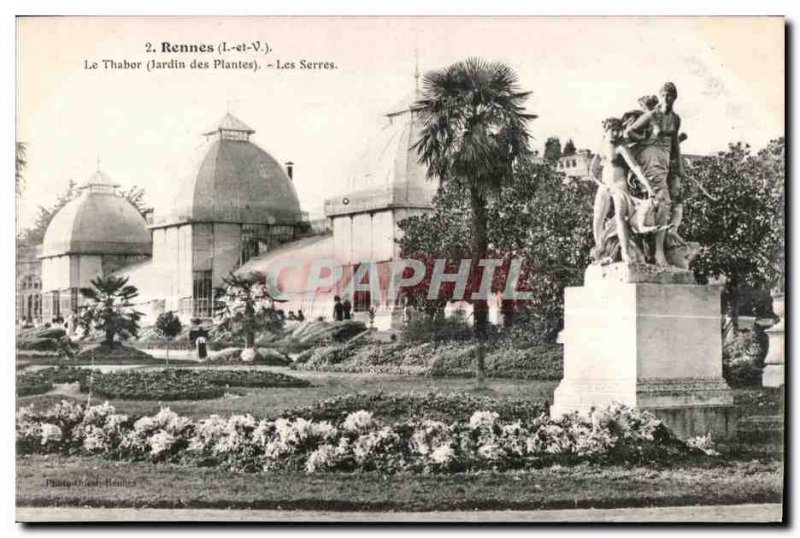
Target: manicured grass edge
pixel 173 486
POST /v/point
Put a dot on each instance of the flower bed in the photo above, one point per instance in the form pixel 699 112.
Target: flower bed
pixel 443 359
pixel 251 378
pixel 179 384
pixel 41 381
pixel 356 442
pixel 418 405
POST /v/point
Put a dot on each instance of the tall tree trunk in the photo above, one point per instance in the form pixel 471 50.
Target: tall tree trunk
pixel 480 307
pixel 733 306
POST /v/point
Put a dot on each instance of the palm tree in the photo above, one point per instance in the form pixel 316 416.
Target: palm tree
pixel 109 309
pixel 474 132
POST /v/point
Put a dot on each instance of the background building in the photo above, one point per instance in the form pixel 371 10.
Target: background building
pixel 95 234
pixel 29 284
pixel 240 203
pixel 387 185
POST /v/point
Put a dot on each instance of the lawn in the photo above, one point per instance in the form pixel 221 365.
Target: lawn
pixel 100 483
pixel 324 385
pixel 752 473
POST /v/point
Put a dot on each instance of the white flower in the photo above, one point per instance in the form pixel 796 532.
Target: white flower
pixel 490 451
pixel 482 419
pixel 262 432
pixel 50 433
pixel 114 421
pixel 97 412
pixel 95 439
pixel 704 443
pixel 143 425
pixel 324 431
pixel 442 455
pixel 324 457
pixel 161 441
pixel 357 421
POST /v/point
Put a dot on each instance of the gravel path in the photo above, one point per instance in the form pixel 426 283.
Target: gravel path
pixel 751 513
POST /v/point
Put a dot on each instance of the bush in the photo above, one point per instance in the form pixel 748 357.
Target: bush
pixel 743 359
pixel 264 356
pixel 116 353
pixel 41 381
pixel 177 384
pixel 422 327
pixel 541 361
pixel 38 344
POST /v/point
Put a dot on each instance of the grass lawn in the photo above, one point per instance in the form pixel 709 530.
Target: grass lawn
pixel 750 475
pixel 104 483
pixel 271 401
pixel 25 358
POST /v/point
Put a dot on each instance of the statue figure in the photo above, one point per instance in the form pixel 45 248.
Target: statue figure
pixel 631 215
pixel 659 156
pixel 642 147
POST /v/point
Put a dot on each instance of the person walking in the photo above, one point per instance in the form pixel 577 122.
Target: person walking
pixel 338 309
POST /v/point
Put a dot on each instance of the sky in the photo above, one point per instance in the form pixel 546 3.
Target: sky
pixel 145 128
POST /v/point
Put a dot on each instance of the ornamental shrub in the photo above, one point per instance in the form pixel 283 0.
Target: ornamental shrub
pixel 41 381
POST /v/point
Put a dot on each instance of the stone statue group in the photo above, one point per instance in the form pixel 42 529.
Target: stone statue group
pixel 642 169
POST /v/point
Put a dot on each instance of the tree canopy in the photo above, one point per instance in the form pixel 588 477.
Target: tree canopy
pixel 537 218
pixel 552 149
pixel 741 220
pixel 108 309
pixel 245 307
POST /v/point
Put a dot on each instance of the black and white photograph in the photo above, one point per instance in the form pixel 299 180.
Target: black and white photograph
pixel 400 269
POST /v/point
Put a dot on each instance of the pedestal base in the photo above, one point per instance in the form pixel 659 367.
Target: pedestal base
pixel 689 406
pixel 648 338
pixel 773 374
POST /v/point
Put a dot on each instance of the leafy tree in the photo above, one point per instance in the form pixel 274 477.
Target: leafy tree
pixel 246 307
pixel 547 224
pixel 474 131
pixel 569 149
pixel 552 149
pixel 741 224
pixel 109 309
pixel 35 234
pixel 169 326
pixel 20 164
pixel 135 195
pixel 537 219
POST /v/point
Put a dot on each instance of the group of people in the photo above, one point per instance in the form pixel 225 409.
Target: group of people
pixel 641 152
pixel 342 310
pixel 291 316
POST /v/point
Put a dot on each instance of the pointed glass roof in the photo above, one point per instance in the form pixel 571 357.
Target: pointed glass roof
pixel 230 124
pixel 100 183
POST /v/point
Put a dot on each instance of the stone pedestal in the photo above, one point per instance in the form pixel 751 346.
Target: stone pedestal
pixel 650 338
pixel 774 362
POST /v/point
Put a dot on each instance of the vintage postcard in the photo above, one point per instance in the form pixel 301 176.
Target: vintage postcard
pixel 400 269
